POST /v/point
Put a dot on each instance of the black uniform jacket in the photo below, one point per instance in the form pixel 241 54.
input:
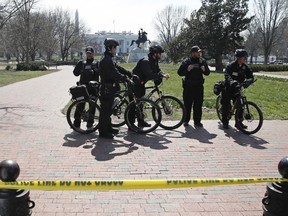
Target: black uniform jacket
pixel 88 71
pixel 148 69
pixel 195 76
pixel 110 72
pixel 237 72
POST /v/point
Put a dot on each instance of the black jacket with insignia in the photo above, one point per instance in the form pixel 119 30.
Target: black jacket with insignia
pixel 237 72
pixel 88 71
pixel 196 75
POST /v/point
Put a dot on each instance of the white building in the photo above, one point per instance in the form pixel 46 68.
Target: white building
pixel 260 59
pixel 124 38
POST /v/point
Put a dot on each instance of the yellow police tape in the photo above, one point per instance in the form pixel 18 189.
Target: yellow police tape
pixel 131 184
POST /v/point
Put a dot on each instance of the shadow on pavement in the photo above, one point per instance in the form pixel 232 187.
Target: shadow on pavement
pixel 199 133
pixel 151 140
pixel 76 140
pixel 106 149
pixel 244 139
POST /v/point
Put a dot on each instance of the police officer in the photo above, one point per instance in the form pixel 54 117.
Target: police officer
pixel 110 74
pixel 88 71
pixel 193 69
pixel 147 69
pixel 235 73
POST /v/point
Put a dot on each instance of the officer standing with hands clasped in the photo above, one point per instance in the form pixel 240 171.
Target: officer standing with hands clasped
pixel 235 73
pixel 88 71
pixel 193 69
pixel 111 74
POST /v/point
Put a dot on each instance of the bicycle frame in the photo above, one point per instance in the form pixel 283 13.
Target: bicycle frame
pixel 156 89
pixel 126 92
pixel 170 106
pixel 239 101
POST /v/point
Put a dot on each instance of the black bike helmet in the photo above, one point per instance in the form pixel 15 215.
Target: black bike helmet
pixel 219 87
pixel 156 49
pixel 241 53
pixel 110 42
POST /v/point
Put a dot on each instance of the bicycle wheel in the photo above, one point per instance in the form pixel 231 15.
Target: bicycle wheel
pixel 83 116
pixel 144 110
pixel 118 111
pixel 219 107
pixel 173 112
pixel 249 118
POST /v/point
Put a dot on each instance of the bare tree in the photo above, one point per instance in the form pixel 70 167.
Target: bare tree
pixel 169 22
pixel 15 45
pixel 18 32
pixel 49 40
pixel 67 32
pixel 253 40
pixel 8 9
pixel 281 48
pixel 24 16
pixel 270 14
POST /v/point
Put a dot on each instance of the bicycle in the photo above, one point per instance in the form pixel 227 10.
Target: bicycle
pixel 124 112
pixel 84 107
pixel 143 108
pixel 248 116
pixel 172 109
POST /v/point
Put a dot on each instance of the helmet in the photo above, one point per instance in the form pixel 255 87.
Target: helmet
pixel 156 49
pixel 219 87
pixel 110 42
pixel 241 53
pixel 89 49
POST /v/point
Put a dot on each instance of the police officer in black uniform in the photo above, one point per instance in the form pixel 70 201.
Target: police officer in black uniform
pixel 235 73
pixel 88 71
pixel 193 69
pixel 111 74
pixel 147 69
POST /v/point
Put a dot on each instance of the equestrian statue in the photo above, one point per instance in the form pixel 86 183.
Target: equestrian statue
pixel 142 38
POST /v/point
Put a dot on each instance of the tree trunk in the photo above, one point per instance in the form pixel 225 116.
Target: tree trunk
pixel 218 63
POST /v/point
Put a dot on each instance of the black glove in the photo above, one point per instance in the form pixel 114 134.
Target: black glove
pixel 247 83
pixel 158 81
pixel 234 84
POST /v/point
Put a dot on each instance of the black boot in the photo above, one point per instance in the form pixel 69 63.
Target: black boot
pixel 113 130
pixel 107 135
pixel 142 123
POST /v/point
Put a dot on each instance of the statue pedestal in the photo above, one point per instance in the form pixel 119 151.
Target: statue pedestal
pixel 138 53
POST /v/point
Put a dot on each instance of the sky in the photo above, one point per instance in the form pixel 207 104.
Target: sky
pixel 118 15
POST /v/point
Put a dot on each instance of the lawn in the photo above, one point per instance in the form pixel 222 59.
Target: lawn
pixel 12 76
pixel 269 93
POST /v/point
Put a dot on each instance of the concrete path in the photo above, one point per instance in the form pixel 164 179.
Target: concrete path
pixel 34 132
pixel 271 75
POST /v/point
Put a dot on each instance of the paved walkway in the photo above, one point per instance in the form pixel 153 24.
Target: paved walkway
pixel 35 134
pixel 271 75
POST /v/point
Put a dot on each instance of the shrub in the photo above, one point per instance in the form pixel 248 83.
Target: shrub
pixel 32 66
pixel 268 67
pixel 8 67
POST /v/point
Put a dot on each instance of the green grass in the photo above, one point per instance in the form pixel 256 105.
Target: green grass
pixel 270 94
pixel 12 76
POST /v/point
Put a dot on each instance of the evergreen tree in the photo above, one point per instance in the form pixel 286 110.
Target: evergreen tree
pixel 216 27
